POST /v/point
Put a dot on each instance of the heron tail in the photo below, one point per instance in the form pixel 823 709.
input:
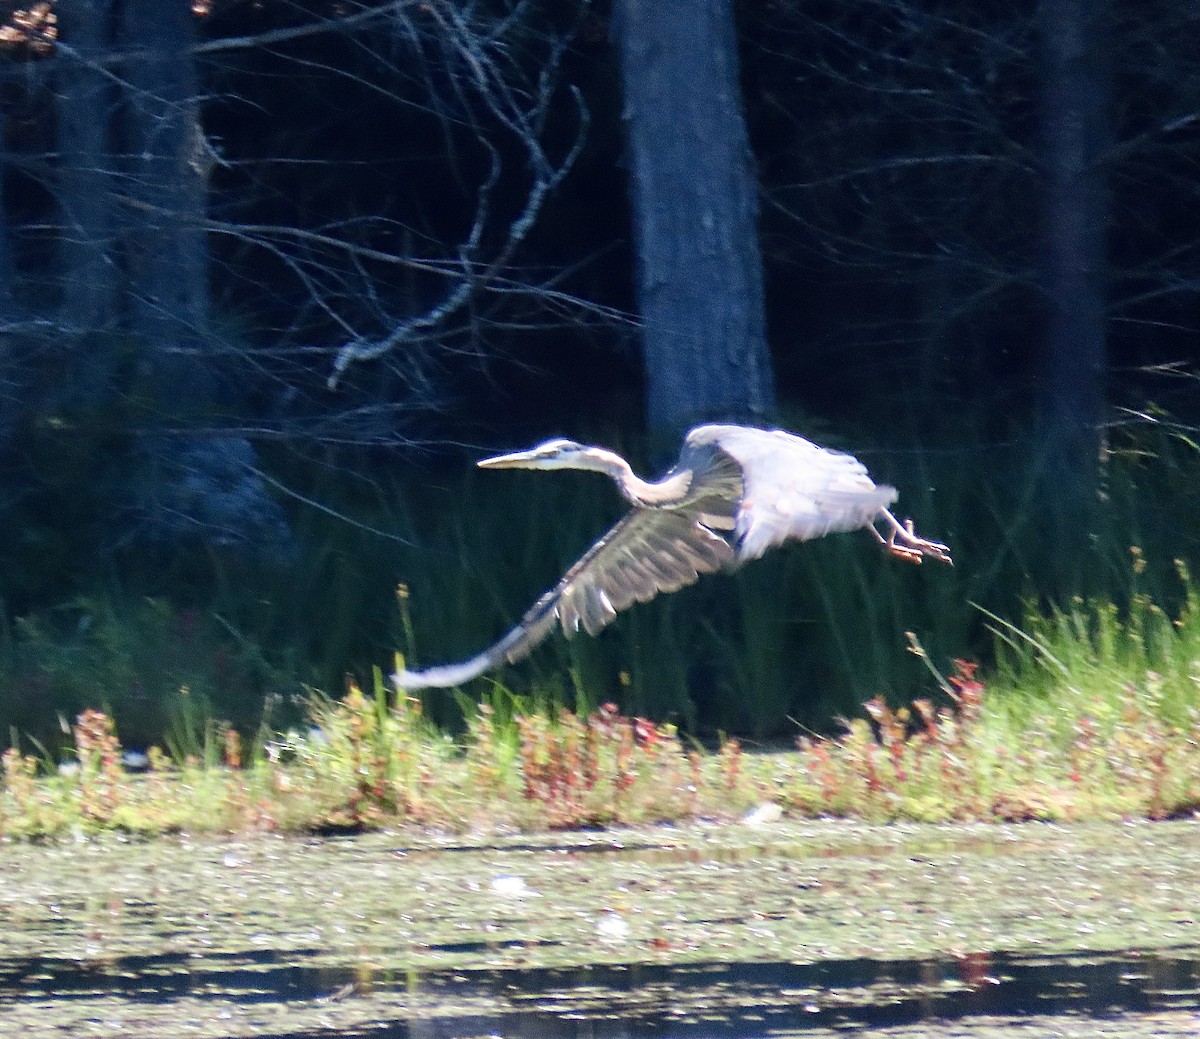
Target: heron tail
pixel 516 645
pixel 446 676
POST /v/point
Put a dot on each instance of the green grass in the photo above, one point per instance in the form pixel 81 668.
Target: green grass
pixel 1090 713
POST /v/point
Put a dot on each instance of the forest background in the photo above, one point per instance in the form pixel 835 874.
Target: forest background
pixel 272 275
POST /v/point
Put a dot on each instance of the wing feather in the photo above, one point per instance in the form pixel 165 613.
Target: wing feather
pixel 648 552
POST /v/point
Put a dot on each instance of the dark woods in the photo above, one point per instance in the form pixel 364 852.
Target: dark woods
pixel 273 272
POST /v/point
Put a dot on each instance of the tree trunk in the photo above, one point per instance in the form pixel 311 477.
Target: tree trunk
pixel 8 309
pixel 1076 132
pixel 164 241
pixel 85 99
pixel 192 482
pixel 699 269
pixel 10 378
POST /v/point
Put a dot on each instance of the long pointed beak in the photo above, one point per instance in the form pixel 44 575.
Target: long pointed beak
pixel 516 460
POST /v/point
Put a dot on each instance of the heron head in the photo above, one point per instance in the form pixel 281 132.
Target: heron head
pixel 553 454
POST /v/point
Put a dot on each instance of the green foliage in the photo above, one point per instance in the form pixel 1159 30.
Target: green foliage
pixel 94 792
pixel 1093 713
pixel 1092 651
pixel 1114 692
pixel 383 758
pixel 924 763
pixel 157 669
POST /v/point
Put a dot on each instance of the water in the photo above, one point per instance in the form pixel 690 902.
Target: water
pixel 713 999
pixel 815 929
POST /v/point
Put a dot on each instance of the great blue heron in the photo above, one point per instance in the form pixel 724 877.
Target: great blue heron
pixel 734 493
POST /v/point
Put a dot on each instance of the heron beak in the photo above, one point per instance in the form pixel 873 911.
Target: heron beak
pixel 516 460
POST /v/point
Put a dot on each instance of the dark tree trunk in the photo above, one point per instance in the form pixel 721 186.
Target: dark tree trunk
pixel 165 245
pixel 700 286
pixel 192 482
pixel 85 100
pixel 8 309
pixel 1076 132
pixel 10 378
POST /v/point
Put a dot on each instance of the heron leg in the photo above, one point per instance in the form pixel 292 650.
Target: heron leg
pixel 903 542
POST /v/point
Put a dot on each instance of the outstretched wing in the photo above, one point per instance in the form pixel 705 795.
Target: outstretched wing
pixel 648 552
pixel 794 489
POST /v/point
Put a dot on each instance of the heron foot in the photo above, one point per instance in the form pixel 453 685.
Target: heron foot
pixel 905 543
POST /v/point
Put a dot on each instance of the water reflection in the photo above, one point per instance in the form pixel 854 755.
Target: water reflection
pixel 714 999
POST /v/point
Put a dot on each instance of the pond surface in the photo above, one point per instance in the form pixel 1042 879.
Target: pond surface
pixel 1031 930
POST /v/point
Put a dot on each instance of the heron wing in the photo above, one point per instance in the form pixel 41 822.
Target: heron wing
pixel 792 488
pixel 649 551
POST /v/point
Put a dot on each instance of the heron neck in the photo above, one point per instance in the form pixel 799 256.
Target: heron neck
pixel 647 493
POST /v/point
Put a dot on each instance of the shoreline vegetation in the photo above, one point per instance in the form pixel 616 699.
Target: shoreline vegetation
pixel 1087 714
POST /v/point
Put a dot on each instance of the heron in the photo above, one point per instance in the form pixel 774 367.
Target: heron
pixel 735 492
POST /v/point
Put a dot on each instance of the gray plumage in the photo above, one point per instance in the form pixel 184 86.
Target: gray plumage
pixel 734 493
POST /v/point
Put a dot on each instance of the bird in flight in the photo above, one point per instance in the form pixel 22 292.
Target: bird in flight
pixel 735 492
